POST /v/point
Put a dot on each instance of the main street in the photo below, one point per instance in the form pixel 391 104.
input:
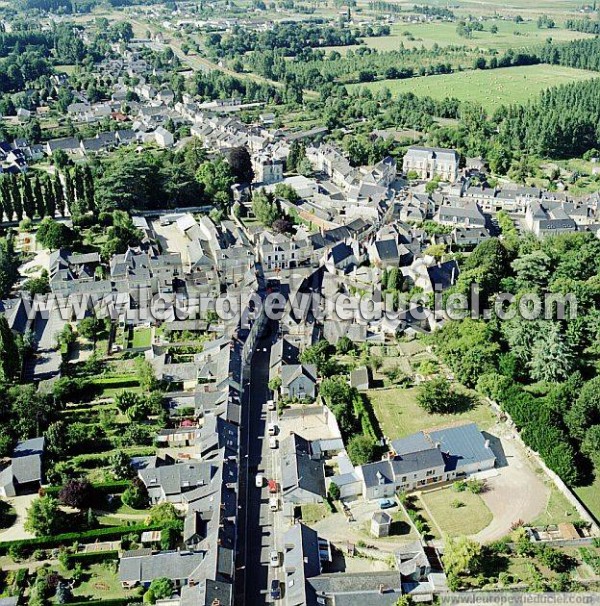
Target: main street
pixel 256 537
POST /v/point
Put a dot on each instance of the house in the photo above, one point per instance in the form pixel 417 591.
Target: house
pixel 426 458
pixel 545 221
pixel 460 214
pixel 359 378
pixel 163 137
pixel 381 521
pixel 69 145
pixel 24 474
pixel 141 567
pixel 167 480
pixel 430 162
pixel 302 471
pixel 283 352
pixel 299 381
pixel 267 170
pixel 301 561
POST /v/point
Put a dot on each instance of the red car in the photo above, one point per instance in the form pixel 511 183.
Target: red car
pixel 273 487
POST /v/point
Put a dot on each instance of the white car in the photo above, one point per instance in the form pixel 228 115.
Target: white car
pixel 272 429
pixel 273 442
pixel 274 559
pixel 274 504
pixel 260 480
pixel 270 404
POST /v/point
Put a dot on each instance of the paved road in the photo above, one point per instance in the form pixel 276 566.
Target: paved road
pixel 256 528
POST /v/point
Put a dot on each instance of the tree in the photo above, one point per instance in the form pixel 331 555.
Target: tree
pixel 54 235
pixel 136 495
pixel 241 165
pixel 437 396
pixel 164 514
pixel 216 179
pixel 145 374
pixel 334 491
pixel 361 449
pixel 585 411
pixel 91 327
pixel 461 555
pixel 120 464
pixel 77 493
pixel 552 357
pixel 10 362
pixel 44 517
pixel 63 593
pixel 344 345
pixel 265 208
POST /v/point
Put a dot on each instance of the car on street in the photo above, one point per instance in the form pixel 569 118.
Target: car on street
pixel 275 589
pixel 386 503
pixel 274 559
pixel 273 443
pixel 273 487
pixel 260 480
pixel 272 429
pixel 270 404
pixel 274 504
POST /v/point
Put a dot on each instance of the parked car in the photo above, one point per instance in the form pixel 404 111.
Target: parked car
pixel 386 503
pixel 274 504
pixel 275 589
pixel 272 429
pixel 273 443
pixel 270 404
pixel 260 480
pixel 274 559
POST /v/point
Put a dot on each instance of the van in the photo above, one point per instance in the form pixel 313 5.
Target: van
pixel 260 480
pixel 274 504
pixel 273 442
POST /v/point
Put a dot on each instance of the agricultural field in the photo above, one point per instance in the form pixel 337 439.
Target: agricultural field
pixel 509 35
pixel 400 415
pixel 490 88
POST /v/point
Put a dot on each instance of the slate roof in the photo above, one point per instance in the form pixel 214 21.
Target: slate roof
pixel 27 461
pixel 300 468
pixel 174 565
pixel 387 249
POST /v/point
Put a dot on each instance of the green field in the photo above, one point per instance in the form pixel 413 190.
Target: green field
pixel 509 35
pixel 399 414
pixel 490 88
pixel 450 520
pixel 590 496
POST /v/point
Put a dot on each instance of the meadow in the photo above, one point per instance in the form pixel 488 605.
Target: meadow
pixel 490 88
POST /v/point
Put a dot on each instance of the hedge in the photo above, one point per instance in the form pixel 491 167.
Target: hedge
pixel 116 487
pixel 88 536
pixel 92 557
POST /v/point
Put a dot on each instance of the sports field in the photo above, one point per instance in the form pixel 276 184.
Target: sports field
pixel 491 88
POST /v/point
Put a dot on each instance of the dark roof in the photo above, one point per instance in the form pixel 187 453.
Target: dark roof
pixel 443 275
pixel 387 249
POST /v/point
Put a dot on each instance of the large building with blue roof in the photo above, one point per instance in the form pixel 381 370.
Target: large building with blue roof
pixel 428 457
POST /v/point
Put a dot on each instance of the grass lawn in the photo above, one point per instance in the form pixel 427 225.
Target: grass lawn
pixel 399 414
pixel 142 337
pixel 313 512
pixel 101 582
pixel 490 88
pixel 452 520
pixel 590 496
pixel 109 387
pixel 558 509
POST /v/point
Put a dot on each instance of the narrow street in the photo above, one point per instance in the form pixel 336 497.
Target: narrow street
pixel 257 536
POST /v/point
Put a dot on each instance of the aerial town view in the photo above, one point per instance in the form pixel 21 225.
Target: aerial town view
pixel 299 302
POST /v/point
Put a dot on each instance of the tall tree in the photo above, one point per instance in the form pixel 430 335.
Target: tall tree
pixel 27 198
pixel 38 196
pixel 9 353
pixel 59 196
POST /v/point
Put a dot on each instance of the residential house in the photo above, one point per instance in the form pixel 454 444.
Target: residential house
pixel 426 458
pixel 24 474
pixel 302 471
pixel 299 381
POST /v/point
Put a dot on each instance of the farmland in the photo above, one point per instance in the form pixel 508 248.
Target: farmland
pixel 490 88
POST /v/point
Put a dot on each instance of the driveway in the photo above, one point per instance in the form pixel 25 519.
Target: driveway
pixel 515 493
pixel 16 531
